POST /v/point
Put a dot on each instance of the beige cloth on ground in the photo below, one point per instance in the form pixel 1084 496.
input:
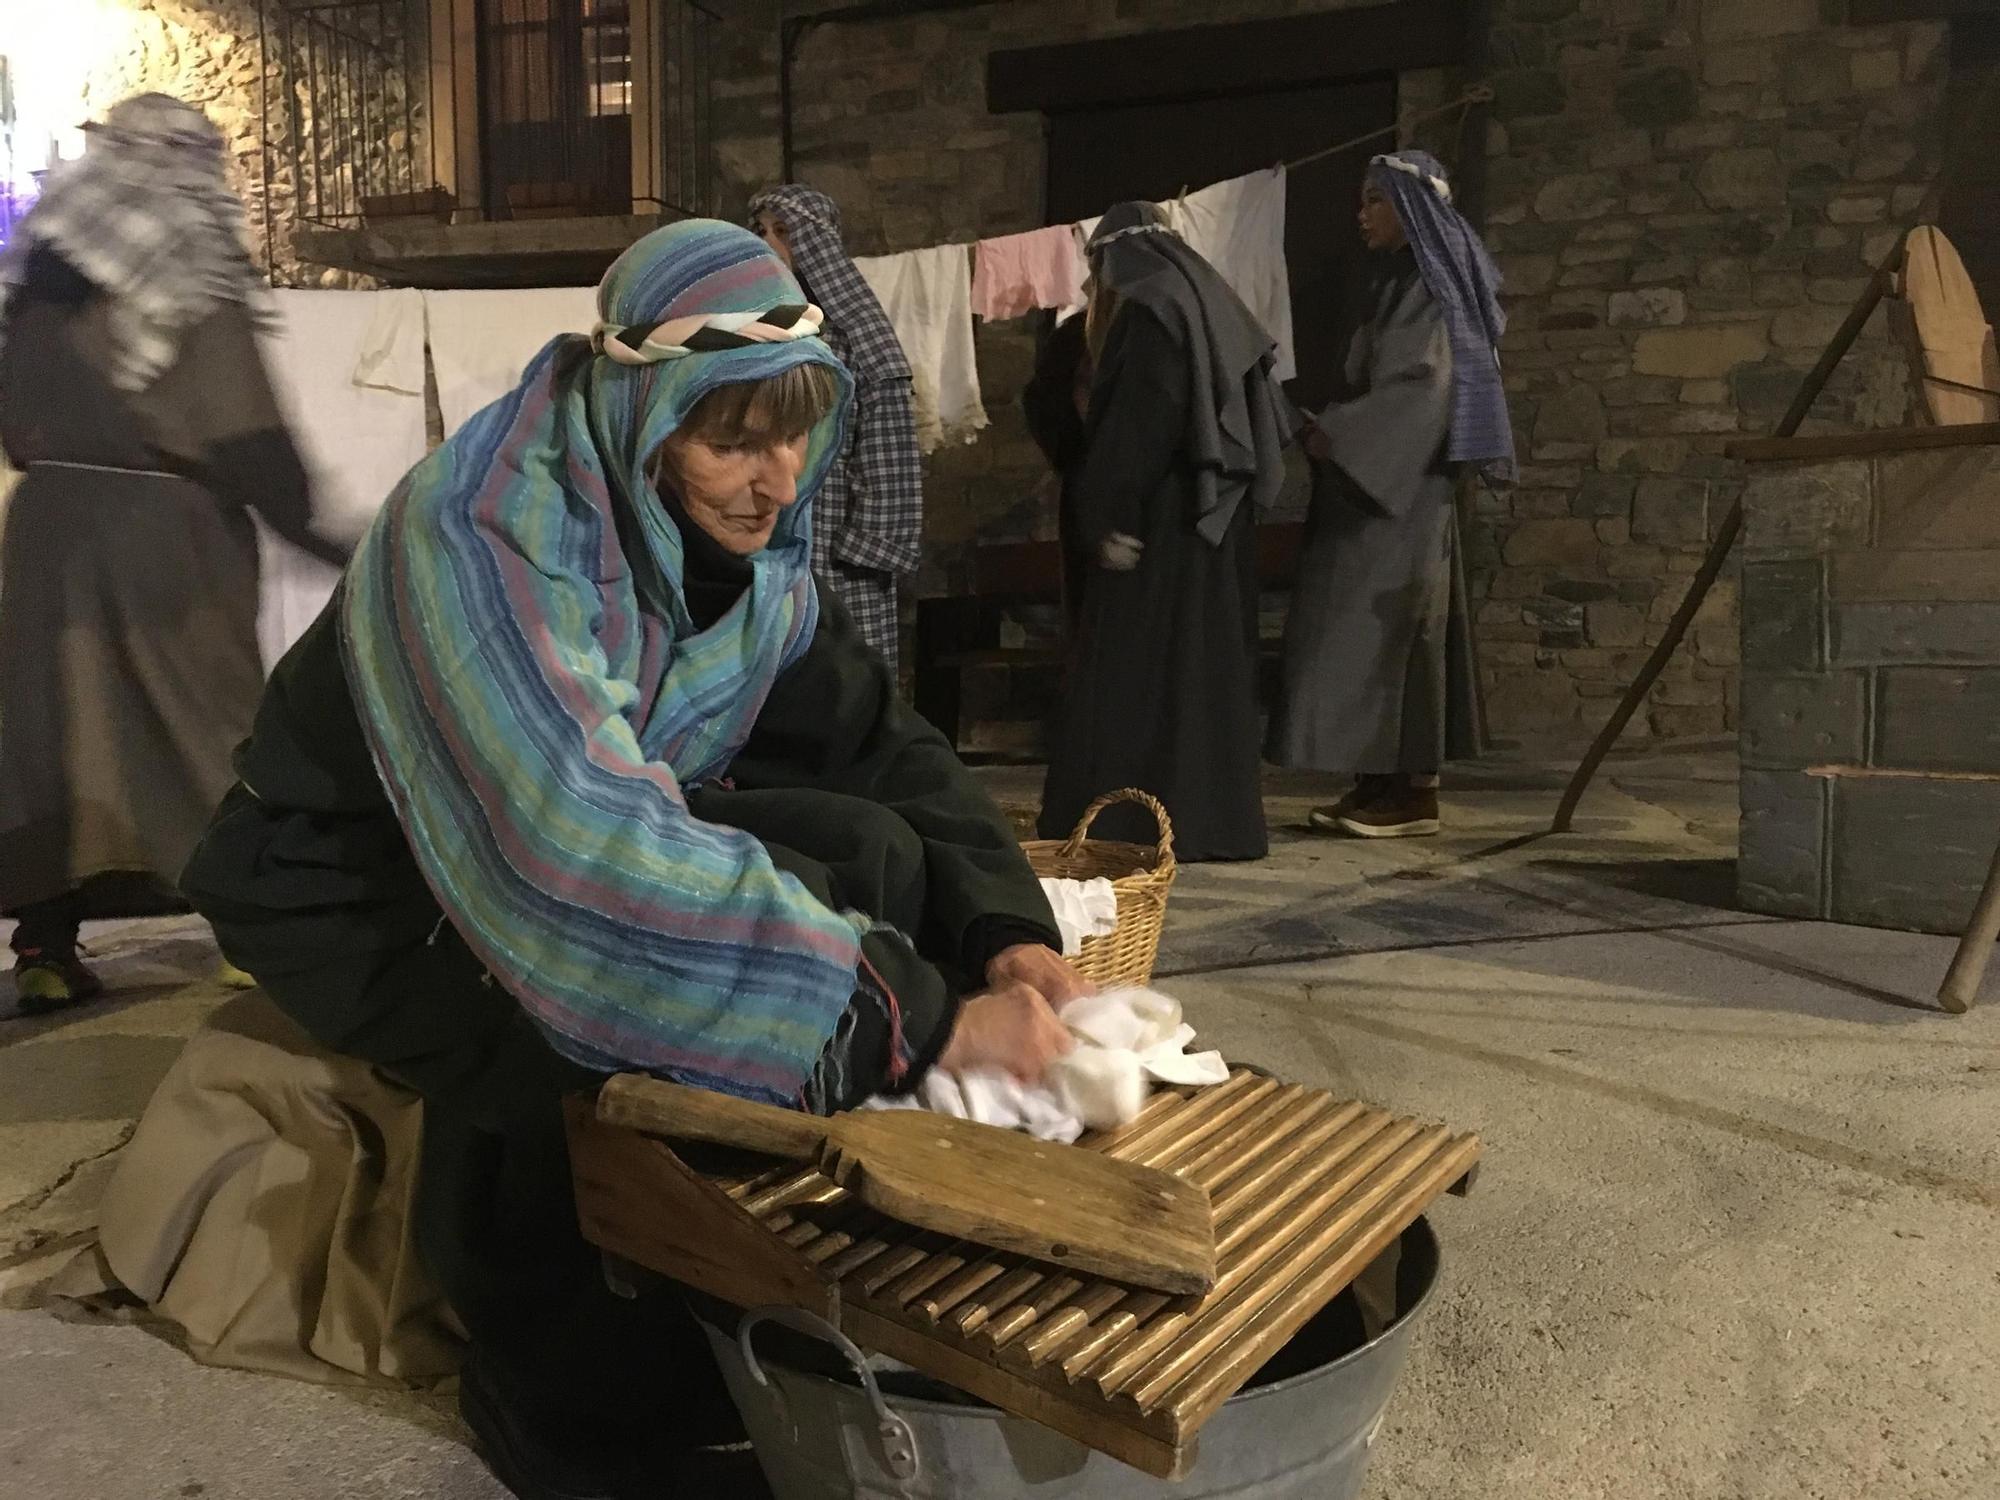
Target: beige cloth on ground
pixel 264 1206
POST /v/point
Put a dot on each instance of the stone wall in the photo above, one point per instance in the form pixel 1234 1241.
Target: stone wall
pixel 209 53
pixel 1685 197
pixel 1871 687
pixel 201 51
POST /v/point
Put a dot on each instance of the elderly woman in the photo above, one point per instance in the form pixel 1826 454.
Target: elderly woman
pixel 132 394
pixel 1377 677
pixel 1182 442
pixel 579 773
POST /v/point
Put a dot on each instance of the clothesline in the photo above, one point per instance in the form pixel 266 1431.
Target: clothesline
pixel 1479 94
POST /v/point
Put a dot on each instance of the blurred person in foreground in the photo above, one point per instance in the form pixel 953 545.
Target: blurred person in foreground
pixel 134 400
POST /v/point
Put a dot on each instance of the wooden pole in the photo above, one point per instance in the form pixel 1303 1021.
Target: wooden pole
pixel 1878 287
pixel 1968 965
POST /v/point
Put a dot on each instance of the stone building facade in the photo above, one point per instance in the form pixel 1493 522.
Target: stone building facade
pixel 1685 196
pixel 215 54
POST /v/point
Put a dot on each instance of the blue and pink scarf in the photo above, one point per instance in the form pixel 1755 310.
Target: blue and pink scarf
pixel 537 697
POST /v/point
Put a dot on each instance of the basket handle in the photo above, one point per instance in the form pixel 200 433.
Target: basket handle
pixel 1165 848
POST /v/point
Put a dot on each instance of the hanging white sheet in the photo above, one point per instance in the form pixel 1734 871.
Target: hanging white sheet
pixel 927 295
pixel 481 341
pixel 357 440
pixel 1238 227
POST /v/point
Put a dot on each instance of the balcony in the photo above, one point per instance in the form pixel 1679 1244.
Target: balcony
pixel 484 142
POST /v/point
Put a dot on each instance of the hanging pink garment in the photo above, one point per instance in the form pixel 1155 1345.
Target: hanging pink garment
pixel 1018 273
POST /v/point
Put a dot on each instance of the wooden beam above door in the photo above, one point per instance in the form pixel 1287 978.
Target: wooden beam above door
pixel 1238 57
pixel 1888 12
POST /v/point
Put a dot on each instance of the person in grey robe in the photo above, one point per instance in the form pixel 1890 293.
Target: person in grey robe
pixel 133 398
pixel 1378 678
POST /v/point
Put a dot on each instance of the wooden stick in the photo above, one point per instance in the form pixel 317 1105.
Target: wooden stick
pixel 1725 539
pixel 1968 965
pixel 1864 444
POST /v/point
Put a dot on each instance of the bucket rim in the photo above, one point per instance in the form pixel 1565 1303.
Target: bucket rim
pixel 1394 1328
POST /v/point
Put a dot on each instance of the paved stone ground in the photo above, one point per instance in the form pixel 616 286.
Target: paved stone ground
pixel 1733 1239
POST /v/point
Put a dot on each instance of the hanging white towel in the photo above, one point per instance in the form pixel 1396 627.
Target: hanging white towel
pixel 391 355
pixel 357 439
pixel 481 341
pixel 1238 227
pixel 1083 909
pixel 928 297
pixel 1126 1041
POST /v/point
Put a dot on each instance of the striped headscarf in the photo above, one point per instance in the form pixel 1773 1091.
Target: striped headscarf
pixel 146 215
pixel 1461 275
pixel 853 311
pixel 537 697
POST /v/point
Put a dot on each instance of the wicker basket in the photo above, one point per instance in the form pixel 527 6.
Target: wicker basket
pixel 1142 876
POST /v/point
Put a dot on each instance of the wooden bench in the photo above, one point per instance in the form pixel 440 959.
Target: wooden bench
pixel 962 631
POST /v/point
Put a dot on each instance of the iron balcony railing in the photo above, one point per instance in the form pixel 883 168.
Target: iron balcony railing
pixel 486 109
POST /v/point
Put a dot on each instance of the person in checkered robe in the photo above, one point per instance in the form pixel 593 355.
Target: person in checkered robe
pixel 870 519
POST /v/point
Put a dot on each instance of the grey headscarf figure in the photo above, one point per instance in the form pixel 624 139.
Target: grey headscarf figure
pixel 1236 433
pixel 148 216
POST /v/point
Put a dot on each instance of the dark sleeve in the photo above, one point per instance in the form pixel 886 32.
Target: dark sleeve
pixel 1387 439
pixel 989 937
pixel 216 414
pixel 1138 418
pixel 38 313
pixel 1049 400
pixel 47 277
pixel 874 1049
pixel 834 723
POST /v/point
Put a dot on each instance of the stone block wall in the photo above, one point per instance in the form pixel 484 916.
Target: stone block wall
pixel 1871 687
pixel 210 53
pixel 1685 196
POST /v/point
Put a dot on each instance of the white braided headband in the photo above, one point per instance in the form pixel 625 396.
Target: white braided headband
pixel 705 333
pixel 1098 242
pixel 1438 184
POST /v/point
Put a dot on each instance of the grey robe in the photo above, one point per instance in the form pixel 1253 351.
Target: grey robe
pixel 1377 676
pixel 128 597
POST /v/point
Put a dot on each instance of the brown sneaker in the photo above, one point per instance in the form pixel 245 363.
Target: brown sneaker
pixel 1402 811
pixel 1365 789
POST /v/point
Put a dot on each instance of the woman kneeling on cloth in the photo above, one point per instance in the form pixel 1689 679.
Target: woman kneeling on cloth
pixel 578 773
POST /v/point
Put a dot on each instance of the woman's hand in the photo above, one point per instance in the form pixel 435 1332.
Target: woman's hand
pixel 1119 553
pixel 1043 970
pixel 1010 1027
pixel 1317 444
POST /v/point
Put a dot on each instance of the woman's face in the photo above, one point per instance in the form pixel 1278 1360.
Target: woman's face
pixel 1380 228
pixel 734 491
pixel 771 230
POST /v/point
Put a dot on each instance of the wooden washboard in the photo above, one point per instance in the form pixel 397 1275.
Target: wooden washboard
pixel 1307 1190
